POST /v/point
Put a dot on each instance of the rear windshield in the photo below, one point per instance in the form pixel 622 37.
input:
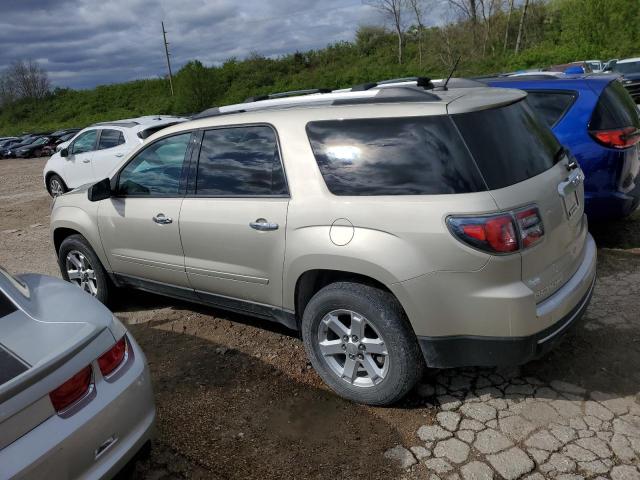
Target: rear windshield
pixel 6 306
pixel 393 156
pixel 615 109
pixel 509 144
pixel 627 67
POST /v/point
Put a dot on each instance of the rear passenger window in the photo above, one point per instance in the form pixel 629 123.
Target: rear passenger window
pixel 551 106
pixel 110 139
pixel 615 109
pixel 240 161
pixel 393 156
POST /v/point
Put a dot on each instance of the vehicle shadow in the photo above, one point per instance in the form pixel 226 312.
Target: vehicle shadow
pixel 623 233
pixel 225 414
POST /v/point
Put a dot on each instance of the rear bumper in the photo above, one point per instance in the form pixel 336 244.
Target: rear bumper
pixel 611 206
pixel 97 440
pixel 567 306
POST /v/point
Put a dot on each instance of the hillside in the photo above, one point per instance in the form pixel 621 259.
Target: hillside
pixel 556 31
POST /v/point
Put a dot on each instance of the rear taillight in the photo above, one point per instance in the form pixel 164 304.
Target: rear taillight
pixel 501 233
pixel 618 138
pixel 530 226
pixel 72 390
pixel 113 358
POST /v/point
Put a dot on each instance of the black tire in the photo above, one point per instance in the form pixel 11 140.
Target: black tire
pixel 50 184
pixel 384 313
pixel 77 243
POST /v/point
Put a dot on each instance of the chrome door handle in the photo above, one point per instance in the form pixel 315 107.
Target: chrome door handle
pixel 262 225
pixel 162 219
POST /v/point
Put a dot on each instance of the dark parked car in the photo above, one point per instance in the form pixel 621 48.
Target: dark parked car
pixel 34 149
pixel 629 71
pixel 596 119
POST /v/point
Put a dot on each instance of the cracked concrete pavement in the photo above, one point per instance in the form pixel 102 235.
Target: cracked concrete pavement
pixel 513 423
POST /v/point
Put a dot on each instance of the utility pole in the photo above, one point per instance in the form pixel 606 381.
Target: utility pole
pixel 166 52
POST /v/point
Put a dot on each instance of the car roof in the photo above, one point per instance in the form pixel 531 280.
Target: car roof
pixel 139 124
pixel 402 91
pixel 629 60
pixel 594 81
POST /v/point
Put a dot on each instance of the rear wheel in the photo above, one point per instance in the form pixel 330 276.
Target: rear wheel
pixel 360 342
pixel 80 266
pixel 56 185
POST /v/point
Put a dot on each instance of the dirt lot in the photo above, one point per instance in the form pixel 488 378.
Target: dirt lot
pixel 237 398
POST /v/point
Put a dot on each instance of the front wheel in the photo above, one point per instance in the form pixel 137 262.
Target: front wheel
pixel 80 266
pixel 359 341
pixel 56 186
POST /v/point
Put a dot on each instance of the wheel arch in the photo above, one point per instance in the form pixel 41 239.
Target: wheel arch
pixel 312 280
pixel 67 221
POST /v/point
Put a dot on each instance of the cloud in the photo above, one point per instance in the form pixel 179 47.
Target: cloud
pixel 83 43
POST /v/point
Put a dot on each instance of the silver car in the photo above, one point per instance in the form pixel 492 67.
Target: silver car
pixel 75 390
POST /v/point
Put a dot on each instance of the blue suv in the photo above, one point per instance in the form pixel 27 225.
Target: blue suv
pixel 595 118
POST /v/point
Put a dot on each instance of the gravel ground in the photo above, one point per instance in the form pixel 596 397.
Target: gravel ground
pixel 237 398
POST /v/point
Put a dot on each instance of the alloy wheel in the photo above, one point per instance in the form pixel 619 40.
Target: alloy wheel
pixel 55 187
pixel 81 273
pixel 352 348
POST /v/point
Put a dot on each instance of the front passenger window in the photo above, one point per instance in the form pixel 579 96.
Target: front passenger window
pixel 85 142
pixel 157 169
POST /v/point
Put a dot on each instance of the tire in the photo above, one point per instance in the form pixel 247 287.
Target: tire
pixel 76 251
pixel 387 331
pixel 52 188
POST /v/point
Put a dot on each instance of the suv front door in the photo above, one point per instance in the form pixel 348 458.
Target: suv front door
pixel 139 225
pixel 111 148
pixel 78 170
pixel 233 219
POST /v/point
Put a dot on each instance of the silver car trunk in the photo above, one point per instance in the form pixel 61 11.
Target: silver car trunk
pixel 49 327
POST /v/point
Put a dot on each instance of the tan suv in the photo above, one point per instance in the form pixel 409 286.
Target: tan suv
pixel 394 226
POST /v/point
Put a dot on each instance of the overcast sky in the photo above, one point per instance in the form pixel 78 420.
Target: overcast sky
pixel 83 43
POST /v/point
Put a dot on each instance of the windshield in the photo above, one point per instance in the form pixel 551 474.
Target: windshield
pixel 627 67
pixel 16 283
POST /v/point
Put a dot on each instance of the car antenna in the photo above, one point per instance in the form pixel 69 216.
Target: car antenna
pixel 444 85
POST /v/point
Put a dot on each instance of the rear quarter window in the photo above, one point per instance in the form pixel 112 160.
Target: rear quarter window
pixel 615 109
pixel 550 106
pixel 510 144
pixel 393 156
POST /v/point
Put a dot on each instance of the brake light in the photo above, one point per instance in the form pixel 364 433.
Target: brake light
pixel 72 390
pixel 618 138
pixel 501 233
pixel 111 359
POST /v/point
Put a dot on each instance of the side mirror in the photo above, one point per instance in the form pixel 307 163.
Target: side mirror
pixel 64 152
pixel 100 191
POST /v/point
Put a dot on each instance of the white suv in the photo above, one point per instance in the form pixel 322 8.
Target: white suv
pixel 93 153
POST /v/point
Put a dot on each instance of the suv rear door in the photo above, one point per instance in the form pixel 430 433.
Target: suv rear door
pixel 524 165
pixel 233 220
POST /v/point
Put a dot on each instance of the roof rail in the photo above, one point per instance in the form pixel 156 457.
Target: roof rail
pixel 291 93
pixel 424 82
